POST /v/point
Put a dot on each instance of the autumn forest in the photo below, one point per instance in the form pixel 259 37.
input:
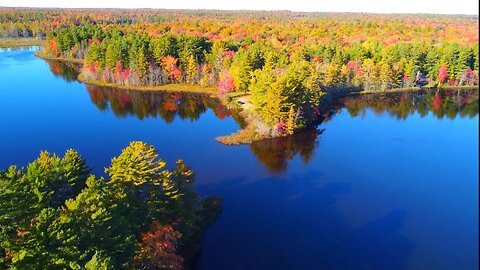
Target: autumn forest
pixel 285 61
pixel 277 74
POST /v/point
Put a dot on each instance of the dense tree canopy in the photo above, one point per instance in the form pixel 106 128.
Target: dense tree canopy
pixel 55 215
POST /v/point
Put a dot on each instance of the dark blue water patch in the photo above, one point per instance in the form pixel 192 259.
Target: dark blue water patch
pixel 386 182
pixel 301 228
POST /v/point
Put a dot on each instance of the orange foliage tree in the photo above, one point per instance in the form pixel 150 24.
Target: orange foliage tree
pixel 158 248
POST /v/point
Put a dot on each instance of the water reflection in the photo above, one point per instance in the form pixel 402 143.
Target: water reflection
pixel 27 49
pixel 275 153
pixel 144 104
pixel 65 70
pixel 442 103
pixel 13 56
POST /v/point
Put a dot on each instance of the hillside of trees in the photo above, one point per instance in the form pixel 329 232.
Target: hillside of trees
pixel 56 215
pixel 285 61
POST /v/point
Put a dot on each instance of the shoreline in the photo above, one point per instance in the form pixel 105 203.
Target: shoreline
pixel 246 135
pixel 188 88
pixel 6 43
pixel 249 132
pixel 63 59
pixel 166 87
pixel 412 89
pixel 194 88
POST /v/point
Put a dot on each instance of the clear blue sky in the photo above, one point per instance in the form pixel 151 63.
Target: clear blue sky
pixel 374 6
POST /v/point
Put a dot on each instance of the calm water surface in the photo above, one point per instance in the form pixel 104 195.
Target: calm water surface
pixel 388 182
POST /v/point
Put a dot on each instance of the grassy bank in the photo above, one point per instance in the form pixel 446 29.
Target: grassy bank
pixel 243 136
pixel 47 57
pixel 412 89
pixel 246 135
pixel 20 42
pixel 167 87
pixel 253 127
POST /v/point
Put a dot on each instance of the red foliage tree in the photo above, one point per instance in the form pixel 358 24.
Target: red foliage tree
pixel 317 59
pixel 53 47
pixel 355 67
pixel 442 74
pixel 175 74
pixel 92 68
pixel 168 61
pixel 118 67
pixel 124 74
pixel 158 249
pixel 452 82
pixel 169 64
pixel 405 77
pixel 281 126
pixel 229 54
pixel 226 84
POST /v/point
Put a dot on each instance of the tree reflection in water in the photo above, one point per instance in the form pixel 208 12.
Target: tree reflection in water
pixel 144 104
pixel 65 70
pixel 441 103
pixel 275 153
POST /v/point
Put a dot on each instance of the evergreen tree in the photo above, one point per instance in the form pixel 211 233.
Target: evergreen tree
pixel 291 121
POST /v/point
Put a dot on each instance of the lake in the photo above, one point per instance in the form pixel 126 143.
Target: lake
pixel 388 181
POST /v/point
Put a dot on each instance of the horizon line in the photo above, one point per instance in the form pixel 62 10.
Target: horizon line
pixel 249 10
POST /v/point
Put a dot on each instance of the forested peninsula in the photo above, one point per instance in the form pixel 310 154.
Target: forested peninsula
pixel 278 66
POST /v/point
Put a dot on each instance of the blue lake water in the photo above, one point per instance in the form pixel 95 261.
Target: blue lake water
pixel 388 182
